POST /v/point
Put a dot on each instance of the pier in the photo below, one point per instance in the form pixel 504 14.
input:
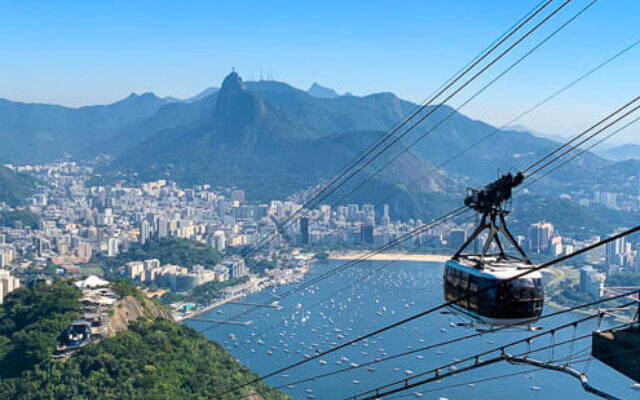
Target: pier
pixel 244 303
pixel 221 321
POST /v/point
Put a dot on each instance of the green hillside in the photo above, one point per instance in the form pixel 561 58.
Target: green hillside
pixel 151 360
pixel 14 187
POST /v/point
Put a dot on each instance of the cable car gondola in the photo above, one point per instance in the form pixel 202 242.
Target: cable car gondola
pixel 482 285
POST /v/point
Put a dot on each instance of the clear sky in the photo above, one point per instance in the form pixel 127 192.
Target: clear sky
pixel 94 52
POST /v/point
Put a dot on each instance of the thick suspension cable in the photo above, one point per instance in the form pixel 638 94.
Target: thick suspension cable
pixel 388 389
pixel 397 138
pixel 581 142
pixel 586 131
pixel 588 248
pixel 456 340
pixel 349 264
pixel 479 58
pixel 454 111
pixel 373 272
pixel 515 119
pixel 436 308
pixel 581 152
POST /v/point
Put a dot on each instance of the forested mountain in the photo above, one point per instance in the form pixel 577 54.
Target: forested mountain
pixel 153 359
pixel 258 140
pixel 273 140
pixel 37 132
pixel 620 153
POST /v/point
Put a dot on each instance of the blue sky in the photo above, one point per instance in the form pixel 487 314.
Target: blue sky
pixel 95 52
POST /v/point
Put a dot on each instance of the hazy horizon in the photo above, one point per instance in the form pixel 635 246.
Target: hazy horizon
pixel 84 53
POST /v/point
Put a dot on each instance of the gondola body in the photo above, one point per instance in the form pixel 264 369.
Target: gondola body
pixel 480 288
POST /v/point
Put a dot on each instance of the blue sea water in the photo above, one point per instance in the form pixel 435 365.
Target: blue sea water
pixel 374 294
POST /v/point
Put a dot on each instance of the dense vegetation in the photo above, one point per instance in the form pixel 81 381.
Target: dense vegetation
pixel 203 294
pixel 31 320
pixel 569 218
pixel 152 360
pixel 8 218
pixel 623 280
pixel 183 252
pixel 14 187
pixel 568 295
pixel 260 266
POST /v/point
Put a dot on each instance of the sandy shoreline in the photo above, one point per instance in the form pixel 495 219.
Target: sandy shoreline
pixel 352 255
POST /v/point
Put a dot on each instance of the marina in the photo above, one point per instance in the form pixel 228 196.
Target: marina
pixel 318 318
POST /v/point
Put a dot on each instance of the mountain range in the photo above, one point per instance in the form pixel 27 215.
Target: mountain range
pixel 274 140
pixel 620 153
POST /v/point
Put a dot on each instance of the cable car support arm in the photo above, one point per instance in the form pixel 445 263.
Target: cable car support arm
pixel 492 201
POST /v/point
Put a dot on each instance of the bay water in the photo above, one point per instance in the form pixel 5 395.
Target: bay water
pixel 373 294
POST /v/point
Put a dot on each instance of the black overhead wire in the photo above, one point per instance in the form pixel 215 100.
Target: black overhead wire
pixel 449 303
pixel 376 392
pixel 570 149
pixel 582 151
pixel 456 91
pixel 586 131
pixel 458 108
pixel 330 296
pixel 435 308
pixel 530 15
pixel 458 339
pixel 397 138
pixel 572 360
pixel 336 348
pixel 446 217
pixel 481 380
pixel 451 95
pixel 510 122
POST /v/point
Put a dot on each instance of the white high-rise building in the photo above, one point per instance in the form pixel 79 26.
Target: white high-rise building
pixel 145 231
pixel 112 247
pixel 8 284
pixel 219 240
pixel 614 251
pixel 163 227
